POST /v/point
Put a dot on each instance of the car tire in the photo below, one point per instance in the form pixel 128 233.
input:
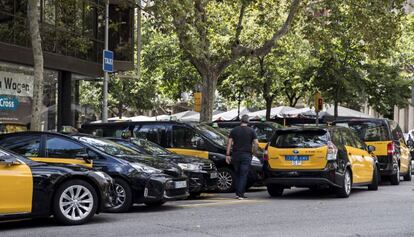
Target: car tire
pixel 408 176
pixel 75 202
pixel 225 182
pixel 395 178
pixel 123 199
pixel 154 204
pixel 345 190
pixel 375 180
pixel 275 190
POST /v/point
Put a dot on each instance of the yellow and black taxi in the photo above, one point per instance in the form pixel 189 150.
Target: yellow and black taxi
pixel 137 179
pixel 392 150
pixel 72 194
pixel 191 139
pixel 319 157
pixel 202 173
pixel 264 129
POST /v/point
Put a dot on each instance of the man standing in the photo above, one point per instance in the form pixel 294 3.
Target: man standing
pixel 244 141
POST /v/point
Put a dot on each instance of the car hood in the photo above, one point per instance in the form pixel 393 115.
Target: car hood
pixel 184 159
pixel 166 166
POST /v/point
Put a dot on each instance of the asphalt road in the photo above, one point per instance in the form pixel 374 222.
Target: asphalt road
pixel 300 212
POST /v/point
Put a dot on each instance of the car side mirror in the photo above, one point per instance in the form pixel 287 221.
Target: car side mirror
pixel 410 143
pixel 371 148
pixel 87 156
pixel 9 161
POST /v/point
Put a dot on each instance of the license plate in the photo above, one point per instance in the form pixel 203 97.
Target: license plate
pixel 213 175
pixel 296 160
pixel 180 184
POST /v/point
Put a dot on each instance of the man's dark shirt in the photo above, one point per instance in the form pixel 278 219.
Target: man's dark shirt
pixel 243 137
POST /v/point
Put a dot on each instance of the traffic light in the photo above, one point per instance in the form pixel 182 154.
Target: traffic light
pixel 197 101
pixel 318 102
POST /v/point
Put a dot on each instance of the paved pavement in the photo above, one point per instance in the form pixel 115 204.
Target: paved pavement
pixel 300 212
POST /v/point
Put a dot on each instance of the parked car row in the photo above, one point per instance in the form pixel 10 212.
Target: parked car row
pixel 191 139
pixel 74 176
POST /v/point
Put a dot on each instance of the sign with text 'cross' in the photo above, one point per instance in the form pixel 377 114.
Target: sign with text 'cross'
pixel 108 61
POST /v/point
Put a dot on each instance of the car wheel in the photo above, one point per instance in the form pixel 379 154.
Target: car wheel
pixel 374 184
pixel 123 197
pixel 225 182
pixel 154 204
pixel 75 202
pixel 395 178
pixel 408 176
pixel 274 190
pixel 345 190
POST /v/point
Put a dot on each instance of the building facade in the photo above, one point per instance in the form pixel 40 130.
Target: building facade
pixel 73 40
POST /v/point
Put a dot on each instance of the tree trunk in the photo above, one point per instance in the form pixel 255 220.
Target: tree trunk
pixel 269 102
pixel 210 79
pixel 33 16
pixel 120 110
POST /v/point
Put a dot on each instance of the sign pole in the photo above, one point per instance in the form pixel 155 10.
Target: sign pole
pixel 106 76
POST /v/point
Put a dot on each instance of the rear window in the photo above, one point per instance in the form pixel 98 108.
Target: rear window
pixel 300 139
pixel 368 131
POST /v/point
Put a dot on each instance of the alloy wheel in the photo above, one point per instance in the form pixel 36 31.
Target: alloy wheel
pixel 225 180
pixel 76 202
pixel 120 196
pixel 348 183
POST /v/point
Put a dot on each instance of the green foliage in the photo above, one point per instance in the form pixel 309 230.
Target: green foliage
pixel 386 87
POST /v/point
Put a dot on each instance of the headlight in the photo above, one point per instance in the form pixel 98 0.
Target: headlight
pixel 145 169
pixel 256 161
pixel 190 167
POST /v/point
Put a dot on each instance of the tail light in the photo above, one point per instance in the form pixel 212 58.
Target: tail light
pixel 266 153
pixel 390 148
pixel 332 151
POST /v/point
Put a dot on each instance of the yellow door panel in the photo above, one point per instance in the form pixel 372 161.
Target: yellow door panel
pixel 361 164
pixel 16 189
pixel 190 152
pixel 63 161
pixel 380 147
pixel 317 158
pixel 404 158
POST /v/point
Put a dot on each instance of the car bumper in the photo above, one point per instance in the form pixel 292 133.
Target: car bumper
pixel 160 189
pixel 106 191
pixel 305 178
pixel 386 165
pixel 202 181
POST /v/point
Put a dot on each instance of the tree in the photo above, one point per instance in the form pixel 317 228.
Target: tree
pixel 386 87
pixel 211 34
pixel 347 34
pixel 33 17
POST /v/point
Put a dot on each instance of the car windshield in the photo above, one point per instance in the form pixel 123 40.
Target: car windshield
pixel 107 146
pixel 213 134
pixel 150 147
pixel 300 139
pixel 367 130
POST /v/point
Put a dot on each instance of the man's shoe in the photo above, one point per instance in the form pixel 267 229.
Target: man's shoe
pixel 241 198
pixel 237 197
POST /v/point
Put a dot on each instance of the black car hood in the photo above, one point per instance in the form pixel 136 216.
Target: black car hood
pixel 184 159
pixel 158 163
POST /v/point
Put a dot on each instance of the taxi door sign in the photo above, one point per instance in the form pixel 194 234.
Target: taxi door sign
pixel 197 101
pixel 318 102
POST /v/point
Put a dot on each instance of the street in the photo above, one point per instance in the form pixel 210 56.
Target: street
pixel 300 212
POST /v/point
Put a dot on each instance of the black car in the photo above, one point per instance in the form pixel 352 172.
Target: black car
pixel 202 173
pixel 264 129
pixel 72 194
pixel 138 179
pixel 192 139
